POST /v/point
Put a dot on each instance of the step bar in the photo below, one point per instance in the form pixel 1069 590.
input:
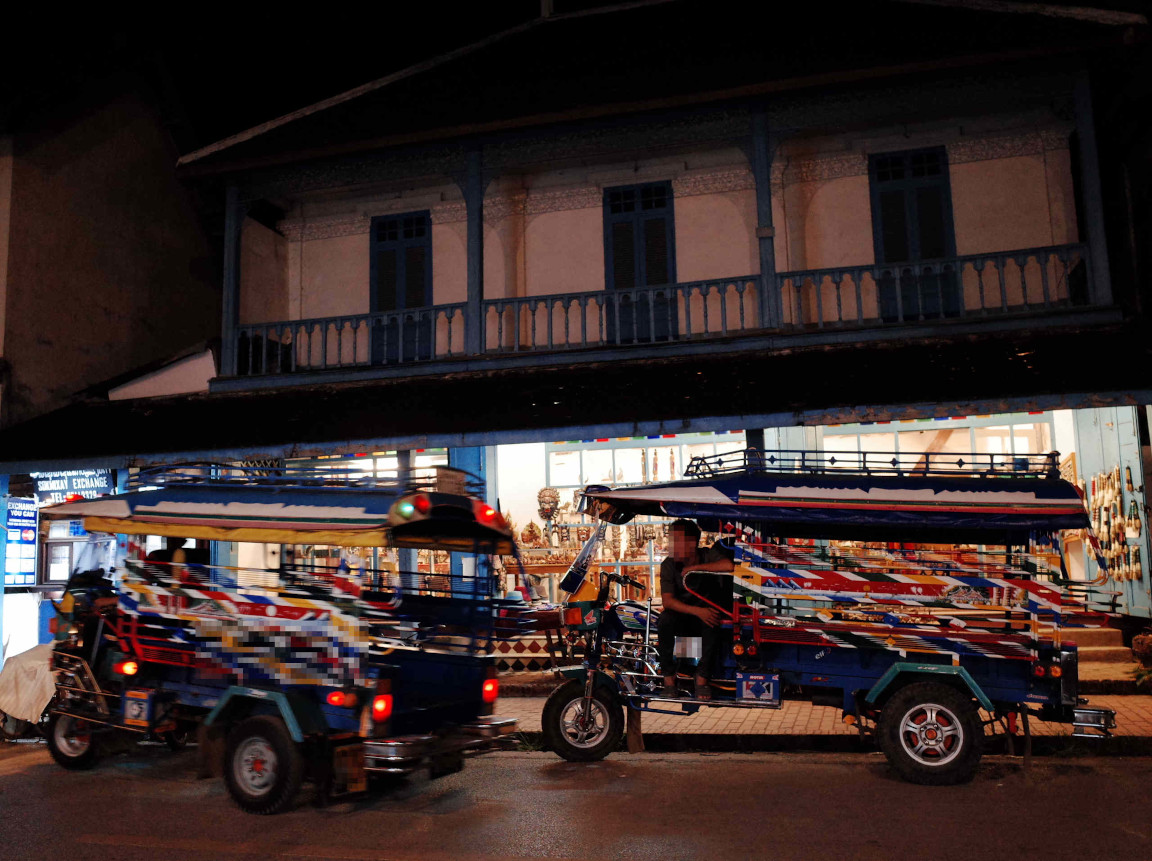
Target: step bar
pixel 1093 723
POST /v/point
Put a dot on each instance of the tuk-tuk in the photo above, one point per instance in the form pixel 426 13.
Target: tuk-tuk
pixel 922 595
pixel 331 674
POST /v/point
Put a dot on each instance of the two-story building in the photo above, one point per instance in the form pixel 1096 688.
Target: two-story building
pixel 666 228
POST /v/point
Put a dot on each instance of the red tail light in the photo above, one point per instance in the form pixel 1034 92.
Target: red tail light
pixel 381 707
pixel 1039 671
pixel 491 690
pixel 1055 671
pixel 341 698
pixel 422 504
pixel 126 668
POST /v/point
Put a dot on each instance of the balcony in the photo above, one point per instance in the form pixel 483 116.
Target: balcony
pixel 840 304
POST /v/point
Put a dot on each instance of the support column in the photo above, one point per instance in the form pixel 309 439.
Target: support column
pixel 3 554
pixel 230 313
pixel 474 205
pixel 1100 287
pixel 405 558
pixel 471 460
pixel 761 159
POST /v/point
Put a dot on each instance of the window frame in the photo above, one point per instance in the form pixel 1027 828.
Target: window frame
pixel 400 245
pixel 908 185
pixel 637 218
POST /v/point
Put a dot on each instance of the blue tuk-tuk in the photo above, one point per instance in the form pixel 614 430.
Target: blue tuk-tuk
pixel 924 596
pixel 332 674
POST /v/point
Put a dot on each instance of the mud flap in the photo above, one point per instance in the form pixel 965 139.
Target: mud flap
pixel 635 732
pixel 210 741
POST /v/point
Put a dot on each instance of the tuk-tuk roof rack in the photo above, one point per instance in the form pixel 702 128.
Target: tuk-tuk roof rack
pixel 753 460
pixel 212 474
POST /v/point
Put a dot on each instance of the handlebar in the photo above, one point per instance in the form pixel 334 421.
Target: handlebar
pixel 626 581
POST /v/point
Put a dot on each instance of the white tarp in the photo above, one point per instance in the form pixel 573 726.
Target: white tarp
pixel 27 684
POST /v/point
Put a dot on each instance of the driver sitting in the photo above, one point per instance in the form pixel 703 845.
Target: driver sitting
pixel 684 614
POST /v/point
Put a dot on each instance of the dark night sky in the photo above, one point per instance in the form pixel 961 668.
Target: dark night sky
pixel 229 74
pixel 224 71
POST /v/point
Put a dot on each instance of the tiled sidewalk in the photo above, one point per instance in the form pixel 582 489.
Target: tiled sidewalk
pixel 1133 719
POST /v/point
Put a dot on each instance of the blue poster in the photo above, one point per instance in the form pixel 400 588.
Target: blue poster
pixel 20 552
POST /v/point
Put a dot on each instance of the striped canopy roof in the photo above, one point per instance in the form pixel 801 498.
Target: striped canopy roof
pixel 349 517
pixel 941 507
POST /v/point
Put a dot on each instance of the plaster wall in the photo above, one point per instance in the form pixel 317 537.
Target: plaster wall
pixel 108 266
pixel 333 276
pixel 564 251
pixel 450 263
pixel 263 274
pixel 716 236
pixel 1001 204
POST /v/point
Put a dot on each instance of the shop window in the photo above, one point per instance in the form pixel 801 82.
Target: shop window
pixel 400 271
pixel 993 440
pixel 953 440
pixel 639 251
pixel 912 222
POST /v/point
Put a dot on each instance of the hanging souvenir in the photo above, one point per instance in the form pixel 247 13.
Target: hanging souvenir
pixel 671 464
pixel 1132 524
pixel 1128 479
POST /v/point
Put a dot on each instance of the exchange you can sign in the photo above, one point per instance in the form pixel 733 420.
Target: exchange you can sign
pixel 60 486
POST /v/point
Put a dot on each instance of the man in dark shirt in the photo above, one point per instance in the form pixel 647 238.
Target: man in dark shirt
pixel 684 614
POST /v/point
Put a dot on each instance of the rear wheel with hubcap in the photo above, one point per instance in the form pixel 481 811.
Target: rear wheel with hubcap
pixel 263 767
pixel 931 734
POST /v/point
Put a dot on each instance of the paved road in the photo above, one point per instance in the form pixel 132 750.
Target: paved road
pixel 149 805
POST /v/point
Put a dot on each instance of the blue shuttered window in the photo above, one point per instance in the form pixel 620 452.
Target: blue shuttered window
pixel 912 222
pixel 640 251
pixel 401 281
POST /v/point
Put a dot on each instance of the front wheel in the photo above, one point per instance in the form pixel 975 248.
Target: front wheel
pixel 70 742
pixel 577 733
pixel 263 767
pixel 931 734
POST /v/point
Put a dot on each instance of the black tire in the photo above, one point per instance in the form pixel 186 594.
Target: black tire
pixel 71 743
pixel 177 739
pixel 932 734
pixel 564 735
pixel 263 767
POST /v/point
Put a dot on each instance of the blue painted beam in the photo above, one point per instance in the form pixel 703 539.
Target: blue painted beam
pixel 470 460
pixel 230 312
pixel 765 233
pixel 407 559
pixel 474 204
pixel 1100 286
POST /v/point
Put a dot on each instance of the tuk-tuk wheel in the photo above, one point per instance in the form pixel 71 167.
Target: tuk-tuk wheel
pixel 931 734
pixel 262 767
pixel 177 739
pixel 70 742
pixel 576 736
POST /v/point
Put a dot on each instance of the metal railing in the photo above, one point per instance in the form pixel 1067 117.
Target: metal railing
pixel 754 460
pixel 639 315
pixel 355 340
pixel 975 286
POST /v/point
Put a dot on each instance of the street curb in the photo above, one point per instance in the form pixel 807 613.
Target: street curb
pixel 1056 746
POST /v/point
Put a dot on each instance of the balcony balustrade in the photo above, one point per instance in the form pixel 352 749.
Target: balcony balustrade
pixel 973 287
